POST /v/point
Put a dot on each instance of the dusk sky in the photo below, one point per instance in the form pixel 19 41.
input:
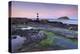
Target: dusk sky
pixel 45 10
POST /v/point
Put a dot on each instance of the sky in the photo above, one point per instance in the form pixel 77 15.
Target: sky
pixel 45 10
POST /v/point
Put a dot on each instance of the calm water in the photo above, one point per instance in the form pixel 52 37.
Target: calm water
pixel 17 43
pixel 70 21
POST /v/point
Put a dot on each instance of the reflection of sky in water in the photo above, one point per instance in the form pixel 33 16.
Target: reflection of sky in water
pixel 65 42
pixel 17 43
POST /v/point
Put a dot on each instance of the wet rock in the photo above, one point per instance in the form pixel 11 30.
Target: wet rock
pixel 35 37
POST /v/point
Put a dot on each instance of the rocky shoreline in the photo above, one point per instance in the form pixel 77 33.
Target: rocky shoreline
pixel 44 35
pixel 27 21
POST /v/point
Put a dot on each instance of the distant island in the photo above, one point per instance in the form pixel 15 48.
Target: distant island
pixel 64 18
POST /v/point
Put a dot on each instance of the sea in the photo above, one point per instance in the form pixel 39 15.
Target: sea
pixel 65 21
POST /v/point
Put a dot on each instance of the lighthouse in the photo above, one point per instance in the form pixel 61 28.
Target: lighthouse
pixel 37 19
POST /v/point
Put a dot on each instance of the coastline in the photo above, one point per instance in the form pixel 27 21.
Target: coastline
pixel 55 34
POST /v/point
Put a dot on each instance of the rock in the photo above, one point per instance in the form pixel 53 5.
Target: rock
pixel 37 37
pixel 64 17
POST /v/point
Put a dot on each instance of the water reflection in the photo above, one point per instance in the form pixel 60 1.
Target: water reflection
pixel 17 42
